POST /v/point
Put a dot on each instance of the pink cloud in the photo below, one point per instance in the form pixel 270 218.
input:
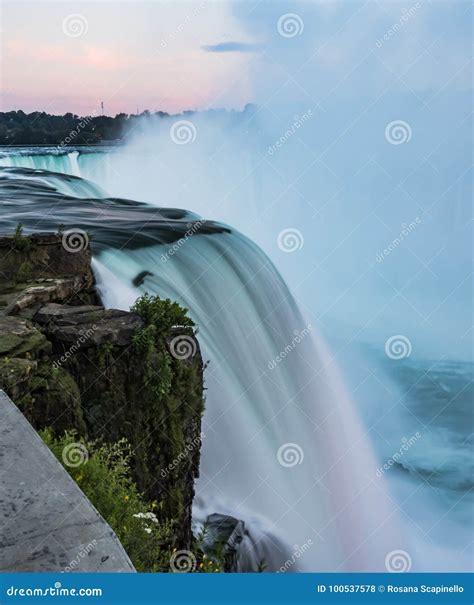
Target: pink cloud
pixel 104 58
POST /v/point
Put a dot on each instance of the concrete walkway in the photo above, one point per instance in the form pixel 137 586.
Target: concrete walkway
pixel 46 522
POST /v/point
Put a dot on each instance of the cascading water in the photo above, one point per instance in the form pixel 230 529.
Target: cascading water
pixel 283 449
pixel 277 434
pixel 272 385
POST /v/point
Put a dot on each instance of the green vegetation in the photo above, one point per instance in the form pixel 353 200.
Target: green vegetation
pixel 172 401
pixel 41 128
pixel 160 317
pixel 19 128
pixel 105 478
pixel 24 272
pixel 163 314
pixel 21 241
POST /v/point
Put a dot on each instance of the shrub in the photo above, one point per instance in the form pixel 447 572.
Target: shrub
pixel 20 241
pixel 164 314
pixel 105 478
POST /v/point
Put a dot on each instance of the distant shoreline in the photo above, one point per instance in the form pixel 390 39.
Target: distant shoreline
pixel 19 129
pixel 73 146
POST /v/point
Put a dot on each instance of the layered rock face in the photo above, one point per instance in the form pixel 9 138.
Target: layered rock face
pixel 69 364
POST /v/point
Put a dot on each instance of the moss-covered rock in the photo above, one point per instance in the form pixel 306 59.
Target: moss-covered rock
pixel 140 391
pixel 69 365
pixel 52 398
pixel 18 337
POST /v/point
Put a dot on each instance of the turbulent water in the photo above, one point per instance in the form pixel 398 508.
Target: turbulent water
pixel 284 449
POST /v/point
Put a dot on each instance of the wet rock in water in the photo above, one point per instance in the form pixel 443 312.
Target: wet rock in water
pixel 140 278
pixel 224 534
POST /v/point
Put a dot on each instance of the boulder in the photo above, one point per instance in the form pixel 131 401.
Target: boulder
pixel 224 534
pixel 91 325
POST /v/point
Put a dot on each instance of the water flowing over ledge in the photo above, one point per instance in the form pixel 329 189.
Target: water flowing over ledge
pixel 260 414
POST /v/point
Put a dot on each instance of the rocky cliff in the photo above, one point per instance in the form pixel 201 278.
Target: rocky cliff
pixel 69 364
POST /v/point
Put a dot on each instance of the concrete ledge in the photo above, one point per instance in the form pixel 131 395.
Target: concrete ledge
pixel 46 522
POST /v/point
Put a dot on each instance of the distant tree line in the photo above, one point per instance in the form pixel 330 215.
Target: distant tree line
pixel 41 128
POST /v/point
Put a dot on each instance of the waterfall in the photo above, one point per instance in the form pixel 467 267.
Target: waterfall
pixel 283 449
pixel 86 162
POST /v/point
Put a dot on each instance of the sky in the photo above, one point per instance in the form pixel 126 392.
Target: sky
pixel 357 68
pixel 62 56
pixel 176 55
